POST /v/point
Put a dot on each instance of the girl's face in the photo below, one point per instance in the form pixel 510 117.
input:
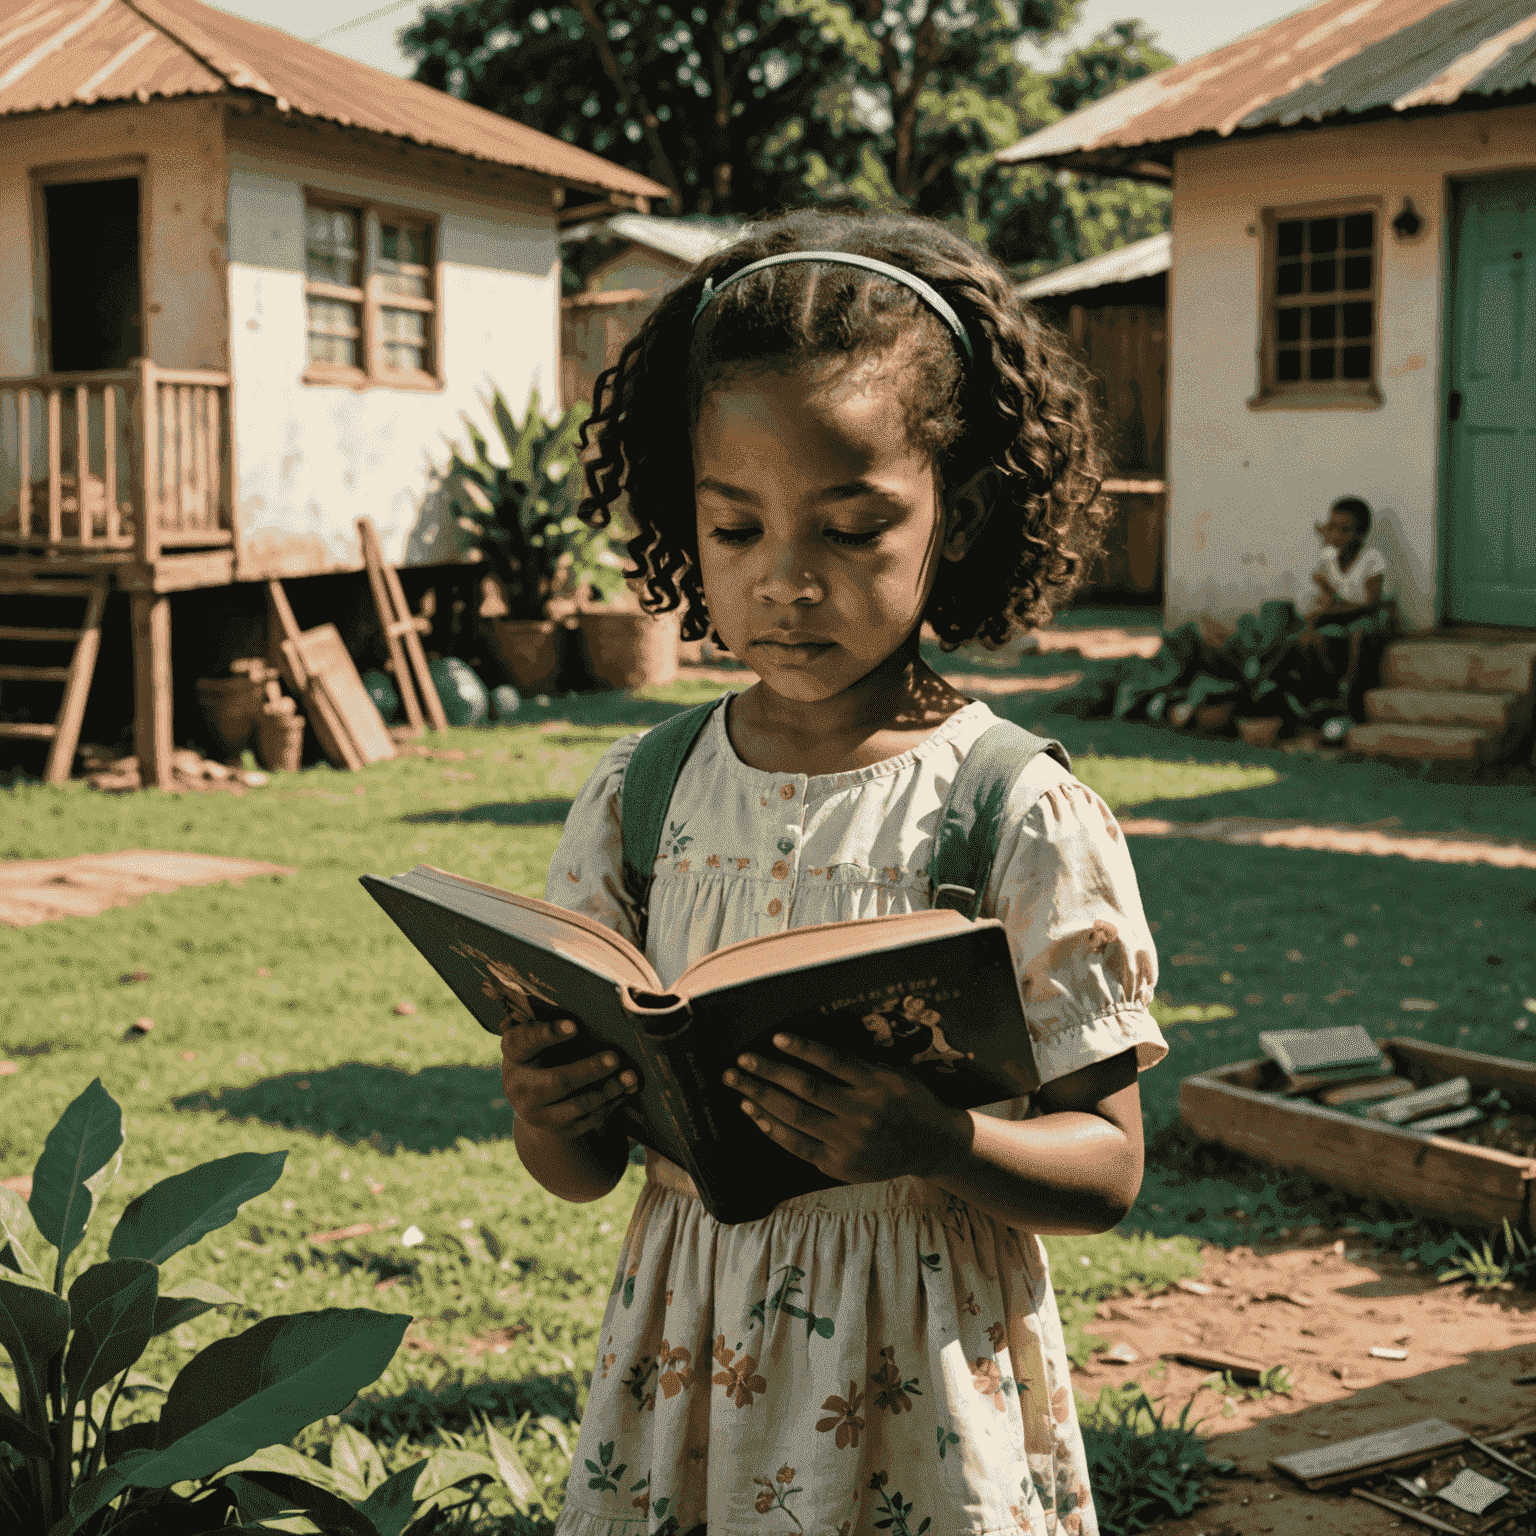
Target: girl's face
pixel 819 523
pixel 1339 531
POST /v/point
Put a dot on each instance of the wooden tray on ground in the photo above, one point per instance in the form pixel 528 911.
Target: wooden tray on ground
pixel 1237 1107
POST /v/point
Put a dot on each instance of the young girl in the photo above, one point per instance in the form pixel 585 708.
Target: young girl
pixel 1347 625
pixel 820 456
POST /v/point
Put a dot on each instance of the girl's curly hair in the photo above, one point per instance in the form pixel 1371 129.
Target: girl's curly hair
pixel 1022 408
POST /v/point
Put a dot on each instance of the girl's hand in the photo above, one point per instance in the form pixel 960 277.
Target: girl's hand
pixel 564 1102
pixel 871 1123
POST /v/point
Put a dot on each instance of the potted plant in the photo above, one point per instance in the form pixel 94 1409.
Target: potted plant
pixel 521 516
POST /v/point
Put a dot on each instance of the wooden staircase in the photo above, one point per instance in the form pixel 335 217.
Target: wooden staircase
pixel 1463 697
pixel 63 735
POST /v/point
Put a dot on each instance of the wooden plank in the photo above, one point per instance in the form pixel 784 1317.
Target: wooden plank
pixel 82 667
pixel 152 698
pixel 1515 1079
pixel 82 456
pixel 1429 1174
pixel 55 473
pixel 1242 1368
pixel 14 674
pixel 44 636
pixel 1417 1515
pixel 147 443
pixel 215 423
pixel 26 729
pixel 333 675
pixel 383 606
pixel 17 584
pixel 1364 1452
pixel 24 458
pixel 328 726
pixel 186 491
pixel 285 627
pixel 109 457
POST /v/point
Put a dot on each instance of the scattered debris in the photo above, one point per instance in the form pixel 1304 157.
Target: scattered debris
pixel 412 1237
pixel 1240 1367
pixel 1121 1354
pixel 1500 1457
pixel 1295 1298
pixel 1451 1094
pixel 1366 1454
pixel 106 770
pixel 1381 1352
pixel 1472 1491
pixel 128 976
pixel 498 1340
pixel 140 1027
pixel 1194 1287
pixel 405 1008
pixel 1453 1121
pixel 1403 1510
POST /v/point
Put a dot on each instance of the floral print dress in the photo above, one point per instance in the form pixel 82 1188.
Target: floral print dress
pixel 874 1357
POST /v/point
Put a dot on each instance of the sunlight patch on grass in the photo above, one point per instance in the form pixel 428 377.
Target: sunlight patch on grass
pixel 1126 781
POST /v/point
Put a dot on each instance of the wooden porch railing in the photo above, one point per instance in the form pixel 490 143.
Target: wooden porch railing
pixel 127 464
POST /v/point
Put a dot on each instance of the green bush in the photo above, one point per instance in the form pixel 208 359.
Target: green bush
pixel 219 1447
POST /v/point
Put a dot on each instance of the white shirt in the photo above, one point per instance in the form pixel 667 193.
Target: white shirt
pixel 1350 585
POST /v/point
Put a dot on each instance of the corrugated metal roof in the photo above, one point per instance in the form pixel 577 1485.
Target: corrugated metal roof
pixel 64 53
pixel 1335 59
pixel 687 240
pixel 1142 258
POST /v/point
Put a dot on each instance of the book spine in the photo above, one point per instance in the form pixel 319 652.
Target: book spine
pixel 681 1084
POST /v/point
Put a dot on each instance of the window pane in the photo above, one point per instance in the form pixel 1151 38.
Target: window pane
pixel 405 359
pixel 1323 236
pixel 1288 324
pixel 333 349
pixel 1357 271
pixel 1325 275
pixel 1357 319
pixel 410 286
pixel 1288 278
pixel 332 245
pixel 1288 237
pixel 1321 322
pixel 1357 362
pixel 334 330
pixel 404 242
pixel 404 325
pixel 1359 229
pixel 1288 366
pixel 1320 363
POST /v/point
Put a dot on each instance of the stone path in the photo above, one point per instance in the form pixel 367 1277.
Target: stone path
pixel 43 890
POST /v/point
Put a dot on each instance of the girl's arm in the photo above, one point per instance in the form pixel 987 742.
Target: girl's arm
pixel 578 1169
pixel 1343 612
pixel 1075 1169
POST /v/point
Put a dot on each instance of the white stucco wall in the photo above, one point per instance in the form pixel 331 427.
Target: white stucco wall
pixel 637 267
pixel 312 458
pixel 1247 485
pixel 181 217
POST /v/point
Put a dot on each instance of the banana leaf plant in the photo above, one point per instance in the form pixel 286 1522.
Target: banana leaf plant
pixel 521 513
pixel 227 1417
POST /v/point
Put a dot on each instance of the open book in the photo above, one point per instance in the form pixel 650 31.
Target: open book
pixel 929 991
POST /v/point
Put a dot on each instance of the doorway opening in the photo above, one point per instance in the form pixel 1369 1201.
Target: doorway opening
pixel 94 300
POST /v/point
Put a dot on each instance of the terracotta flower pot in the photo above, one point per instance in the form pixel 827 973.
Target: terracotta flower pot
pixel 624 649
pixel 280 740
pixel 231 706
pixel 1261 732
pixel 530 652
pixel 1214 717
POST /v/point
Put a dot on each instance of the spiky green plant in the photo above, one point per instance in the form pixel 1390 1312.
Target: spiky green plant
pixel 1487 1268
pixel 521 513
pixel 223 1430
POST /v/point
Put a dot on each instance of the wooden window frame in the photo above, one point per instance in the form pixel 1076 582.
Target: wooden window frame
pixel 1272 393
pixel 372 302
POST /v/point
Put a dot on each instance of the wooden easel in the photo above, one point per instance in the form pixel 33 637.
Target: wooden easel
pixel 402 633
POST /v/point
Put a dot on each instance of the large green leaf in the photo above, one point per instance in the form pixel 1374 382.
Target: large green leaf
pixel 355 1463
pixel 83 1145
pixel 17 1229
pixel 191 1298
pixel 34 1323
pixel 112 1306
pixel 15 1431
pixel 392 1505
pixel 177 1211
pixel 271 1496
pixel 287 1462
pixel 509 1465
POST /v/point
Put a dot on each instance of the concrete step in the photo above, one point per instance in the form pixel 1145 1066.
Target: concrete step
pixel 1468 666
pixel 1426 743
pixel 1492 712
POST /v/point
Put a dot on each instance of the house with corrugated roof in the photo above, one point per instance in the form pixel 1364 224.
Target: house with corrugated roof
pixel 1352 310
pixel 246 288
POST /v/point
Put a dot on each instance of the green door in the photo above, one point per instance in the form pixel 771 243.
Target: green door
pixel 1490 564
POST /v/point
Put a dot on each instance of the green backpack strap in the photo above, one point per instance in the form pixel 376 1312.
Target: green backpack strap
pixel 966 843
pixel 646 792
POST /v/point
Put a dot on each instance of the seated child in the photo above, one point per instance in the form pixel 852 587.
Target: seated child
pixel 1349 609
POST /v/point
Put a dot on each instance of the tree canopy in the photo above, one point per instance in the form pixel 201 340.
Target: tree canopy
pixel 745 105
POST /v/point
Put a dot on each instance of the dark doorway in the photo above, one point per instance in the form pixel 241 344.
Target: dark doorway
pixel 93 274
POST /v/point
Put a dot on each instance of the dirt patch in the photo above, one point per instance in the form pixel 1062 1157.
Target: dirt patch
pixel 1318 1309
pixel 1377 842
pixel 44 890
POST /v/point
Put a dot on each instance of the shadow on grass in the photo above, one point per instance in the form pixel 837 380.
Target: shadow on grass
pixel 453 1404
pixel 391 1110
pixel 501 813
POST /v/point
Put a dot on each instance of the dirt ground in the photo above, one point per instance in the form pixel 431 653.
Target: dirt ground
pixel 1318 1308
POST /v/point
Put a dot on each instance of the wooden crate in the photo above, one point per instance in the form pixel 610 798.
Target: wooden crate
pixel 1431 1175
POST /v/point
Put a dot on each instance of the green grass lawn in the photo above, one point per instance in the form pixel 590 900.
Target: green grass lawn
pixel 275 1028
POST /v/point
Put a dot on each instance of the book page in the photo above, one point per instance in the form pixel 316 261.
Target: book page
pixel 556 929
pixel 813 945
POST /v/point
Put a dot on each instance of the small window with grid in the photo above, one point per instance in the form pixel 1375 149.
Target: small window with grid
pixel 370 296
pixel 1322 308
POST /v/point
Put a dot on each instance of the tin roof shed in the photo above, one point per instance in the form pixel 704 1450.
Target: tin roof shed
pixel 1336 60
pixel 69 53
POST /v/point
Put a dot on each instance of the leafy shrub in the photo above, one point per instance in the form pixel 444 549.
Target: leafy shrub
pixel 1142 1470
pixel 223 1430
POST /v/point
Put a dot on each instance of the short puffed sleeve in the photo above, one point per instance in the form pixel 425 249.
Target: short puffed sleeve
pixel 1065 891
pixel 586 874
